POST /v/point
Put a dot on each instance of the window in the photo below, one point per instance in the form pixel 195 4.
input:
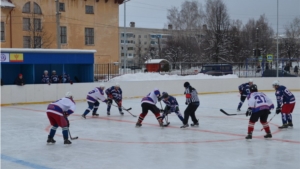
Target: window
pixel 146 49
pixel 122 54
pixel 26 24
pixel 37 24
pixel 140 36
pixel 37 42
pixel 2 31
pixel 61 6
pixel 122 34
pixel 37 9
pixel 26 8
pixel 89 36
pixel 63 34
pixel 89 9
pixel 130 48
pixel 26 41
pixel 122 41
pixel 145 43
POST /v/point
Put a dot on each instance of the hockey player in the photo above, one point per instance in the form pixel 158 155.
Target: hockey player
pixel 58 113
pixel 259 106
pixel 285 104
pixel 92 99
pixel 45 77
pixel 149 103
pixel 244 91
pixel 54 77
pixel 171 106
pixel 114 93
pixel 193 103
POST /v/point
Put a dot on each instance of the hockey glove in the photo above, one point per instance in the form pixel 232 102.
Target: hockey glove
pixel 159 99
pixel 109 101
pixel 162 110
pixel 110 96
pixel 249 112
pixel 186 103
pixel 278 110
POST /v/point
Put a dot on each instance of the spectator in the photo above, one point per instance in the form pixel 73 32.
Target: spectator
pixel 45 77
pixel 65 78
pixel 54 77
pixel 296 69
pixel 19 80
pixel 267 65
pixel 258 68
pixel 287 67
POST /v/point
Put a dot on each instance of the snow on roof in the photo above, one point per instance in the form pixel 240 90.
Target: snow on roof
pixel 152 61
pixel 23 50
pixel 6 4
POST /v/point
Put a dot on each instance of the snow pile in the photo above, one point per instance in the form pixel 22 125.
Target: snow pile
pixel 157 76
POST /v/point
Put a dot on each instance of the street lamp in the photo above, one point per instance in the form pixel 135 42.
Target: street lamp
pixel 277 43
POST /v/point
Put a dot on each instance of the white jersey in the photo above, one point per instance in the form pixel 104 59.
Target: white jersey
pixel 259 101
pixel 95 95
pixel 152 97
pixel 61 106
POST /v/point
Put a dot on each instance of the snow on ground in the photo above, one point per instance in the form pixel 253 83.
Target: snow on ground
pixel 157 76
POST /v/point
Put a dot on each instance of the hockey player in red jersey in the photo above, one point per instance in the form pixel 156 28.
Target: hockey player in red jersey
pixel 58 113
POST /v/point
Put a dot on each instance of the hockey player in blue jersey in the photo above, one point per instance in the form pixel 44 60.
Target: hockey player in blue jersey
pixel 244 91
pixel 171 106
pixel 285 104
pixel 54 77
pixel 114 93
pixel 45 77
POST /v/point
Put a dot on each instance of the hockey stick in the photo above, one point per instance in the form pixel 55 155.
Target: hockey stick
pixel 72 138
pixel 125 110
pixel 166 116
pixel 231 114
pixel 269 121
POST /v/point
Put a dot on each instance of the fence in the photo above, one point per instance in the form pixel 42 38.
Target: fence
pixel 250 68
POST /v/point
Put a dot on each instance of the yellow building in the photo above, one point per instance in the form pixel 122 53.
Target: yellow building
pixel 84 24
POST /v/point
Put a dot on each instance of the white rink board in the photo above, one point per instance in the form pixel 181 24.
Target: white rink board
pixel 11 94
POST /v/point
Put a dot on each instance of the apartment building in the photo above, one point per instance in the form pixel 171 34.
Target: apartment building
pixel 141 44
pixel 84 24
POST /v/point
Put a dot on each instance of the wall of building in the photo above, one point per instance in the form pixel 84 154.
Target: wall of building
pixel 11 94
pixel 105 21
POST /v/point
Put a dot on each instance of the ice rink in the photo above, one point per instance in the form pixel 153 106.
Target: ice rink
pixel 113 142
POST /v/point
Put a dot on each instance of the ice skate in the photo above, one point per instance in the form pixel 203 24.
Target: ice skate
pixel 238 110
pixel 83 116
pixel 95 114
pixel 138 125
pixel 195 124
pixel 284 126
pixel 50 140
pixel 67 141
pixel 184 126
pixel 108 113
pixel 121 113
pixel 248 137
pixel 290 125
pixel 268 135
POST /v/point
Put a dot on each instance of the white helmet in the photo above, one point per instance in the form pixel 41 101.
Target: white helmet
pixel 117 85
pixel 45 71
pixel 250 80
pixel 69 94
pixel 102 85
pixel 275 83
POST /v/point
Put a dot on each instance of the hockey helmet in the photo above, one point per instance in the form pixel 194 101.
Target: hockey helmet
pixel 275 83
pixel 186 84
pixel 102 86
pixel 165 95
pixel 69 95
pixel 253 88
pixel 117 85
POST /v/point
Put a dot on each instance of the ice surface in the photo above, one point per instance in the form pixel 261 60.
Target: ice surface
pixel 113 141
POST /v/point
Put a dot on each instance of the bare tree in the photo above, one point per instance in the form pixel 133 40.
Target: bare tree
pixel 189 17
pixel 218 24
pixel 37 36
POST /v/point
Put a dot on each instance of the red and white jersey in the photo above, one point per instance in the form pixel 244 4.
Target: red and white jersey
pixel 259 101
pixel 61 106
pixel 95 95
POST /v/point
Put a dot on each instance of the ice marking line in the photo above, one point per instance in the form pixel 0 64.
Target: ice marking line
pixel 22 162
pixel 199 130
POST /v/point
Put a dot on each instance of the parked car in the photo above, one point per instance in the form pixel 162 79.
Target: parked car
pixel 273 73
pixel 217 69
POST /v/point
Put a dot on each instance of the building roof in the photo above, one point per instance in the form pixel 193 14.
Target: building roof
pixel 24 50
pixel 153 61
pixel 6 4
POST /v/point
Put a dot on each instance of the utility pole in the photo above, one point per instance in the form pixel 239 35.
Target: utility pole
pixel 125 41
pixel 277 44
pixel 57 25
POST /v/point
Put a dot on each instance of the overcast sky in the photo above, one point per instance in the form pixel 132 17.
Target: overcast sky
pixel 153 13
